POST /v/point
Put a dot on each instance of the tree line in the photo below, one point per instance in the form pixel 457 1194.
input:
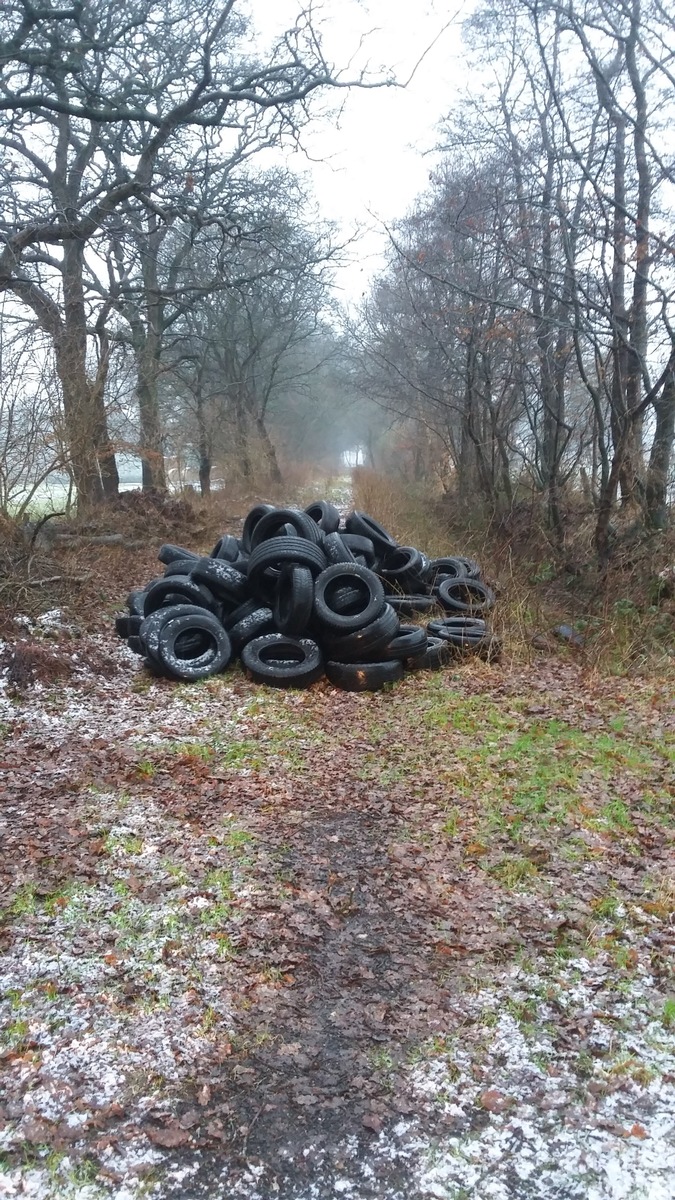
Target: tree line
pixel 165 282
pixel 524 325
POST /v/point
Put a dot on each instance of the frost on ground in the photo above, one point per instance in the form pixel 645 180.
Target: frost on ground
pixel 260 945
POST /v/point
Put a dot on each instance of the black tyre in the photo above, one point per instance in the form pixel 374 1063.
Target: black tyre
pixel 363 644
pixel 439 653
pixel 255 515
pixel 281 661
pixel 226 548
pixel 168 553
pixel 272 524
pixel 136 601
pixel 409 642
pixel 336 549
pixel 178 589
pixel 457 626
pixel 360 546
pixel 222 578
pixel 295 600
pixel 135 645
pixel 325 515
pixel 267 560
pixel 241 611
pixel 179 656
pixel 257 623
pixel 360 522
pixel 446 568
pixel 128 626
pixel 150 629
pixel 180 566
pixel 412 606
pixel 343 575
pixel 466 596
pixel 405 568
pixel 364 677
pixel 471 567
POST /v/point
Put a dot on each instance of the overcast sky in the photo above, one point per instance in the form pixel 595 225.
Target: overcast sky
pixel 371 165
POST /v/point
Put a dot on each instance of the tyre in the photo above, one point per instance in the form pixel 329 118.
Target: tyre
pixel 446 568
pixel 222 578
pixel 465 626
pixel 339 576
pixel 281 661
pixel 465 595
pixel 152 625
pixel 267 560
pixel 178 589
pixel 257 623
pixel 168 553
pixel 325 515
pixel 363 644
pixel 439 653
pixel 226 548
pixel 255 515
pixel 180 566
pixel 360 522
pixel 241 611
pixel 295 600
pixel 412 606
pixel 360 546
pixel 135 645
pixel 128 626
pixel 405 568
pixel 336 549
pixel 409 642
pixel 471 567
pixel 136 601
pixel 271 525
pixel 177 653
pixel 363 677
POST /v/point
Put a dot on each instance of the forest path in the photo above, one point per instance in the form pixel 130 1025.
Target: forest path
pixel 410 944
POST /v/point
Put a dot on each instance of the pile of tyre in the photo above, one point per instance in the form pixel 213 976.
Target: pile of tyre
pixel 298 597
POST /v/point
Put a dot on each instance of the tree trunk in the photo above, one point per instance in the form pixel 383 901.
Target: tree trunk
pixel 656 490
pixel 151 448
pixel 269 451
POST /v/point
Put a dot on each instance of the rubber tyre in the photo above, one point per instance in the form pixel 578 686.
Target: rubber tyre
pixel 169 553
pixel 241 611
pixel 152 625
pixel 471 567
pixel 364 677
pixel 466 596
pixel 325 515
pixel 180 566
pixel 267 560
pixel 360 547
pixel 295 600
pixel 466 626
pixel 336 549
pixel 409 642
pixel 255 625
pixel 199 666
pixel 271 525
pixel 361 645
pixel 226 548
pixel 412 606
pixel 222 578
pixel 361 523
pixel 439 653
pixel 256 514
pixel 341 575
pixel 135 645
pixel 446 568
pixel 281 661
pixel 186 591
pixel 136 601
pixel 128 626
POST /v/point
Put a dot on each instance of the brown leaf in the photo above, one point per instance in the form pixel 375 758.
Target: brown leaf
pixel 170 1136
pixel 494 1101
pixel 372 1121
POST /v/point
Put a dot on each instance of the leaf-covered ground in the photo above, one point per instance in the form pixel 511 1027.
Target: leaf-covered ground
pixel 304 945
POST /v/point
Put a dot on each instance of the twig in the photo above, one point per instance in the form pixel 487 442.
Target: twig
pixel 57 579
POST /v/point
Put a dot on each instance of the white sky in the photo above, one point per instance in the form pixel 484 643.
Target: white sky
pixel 370 165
